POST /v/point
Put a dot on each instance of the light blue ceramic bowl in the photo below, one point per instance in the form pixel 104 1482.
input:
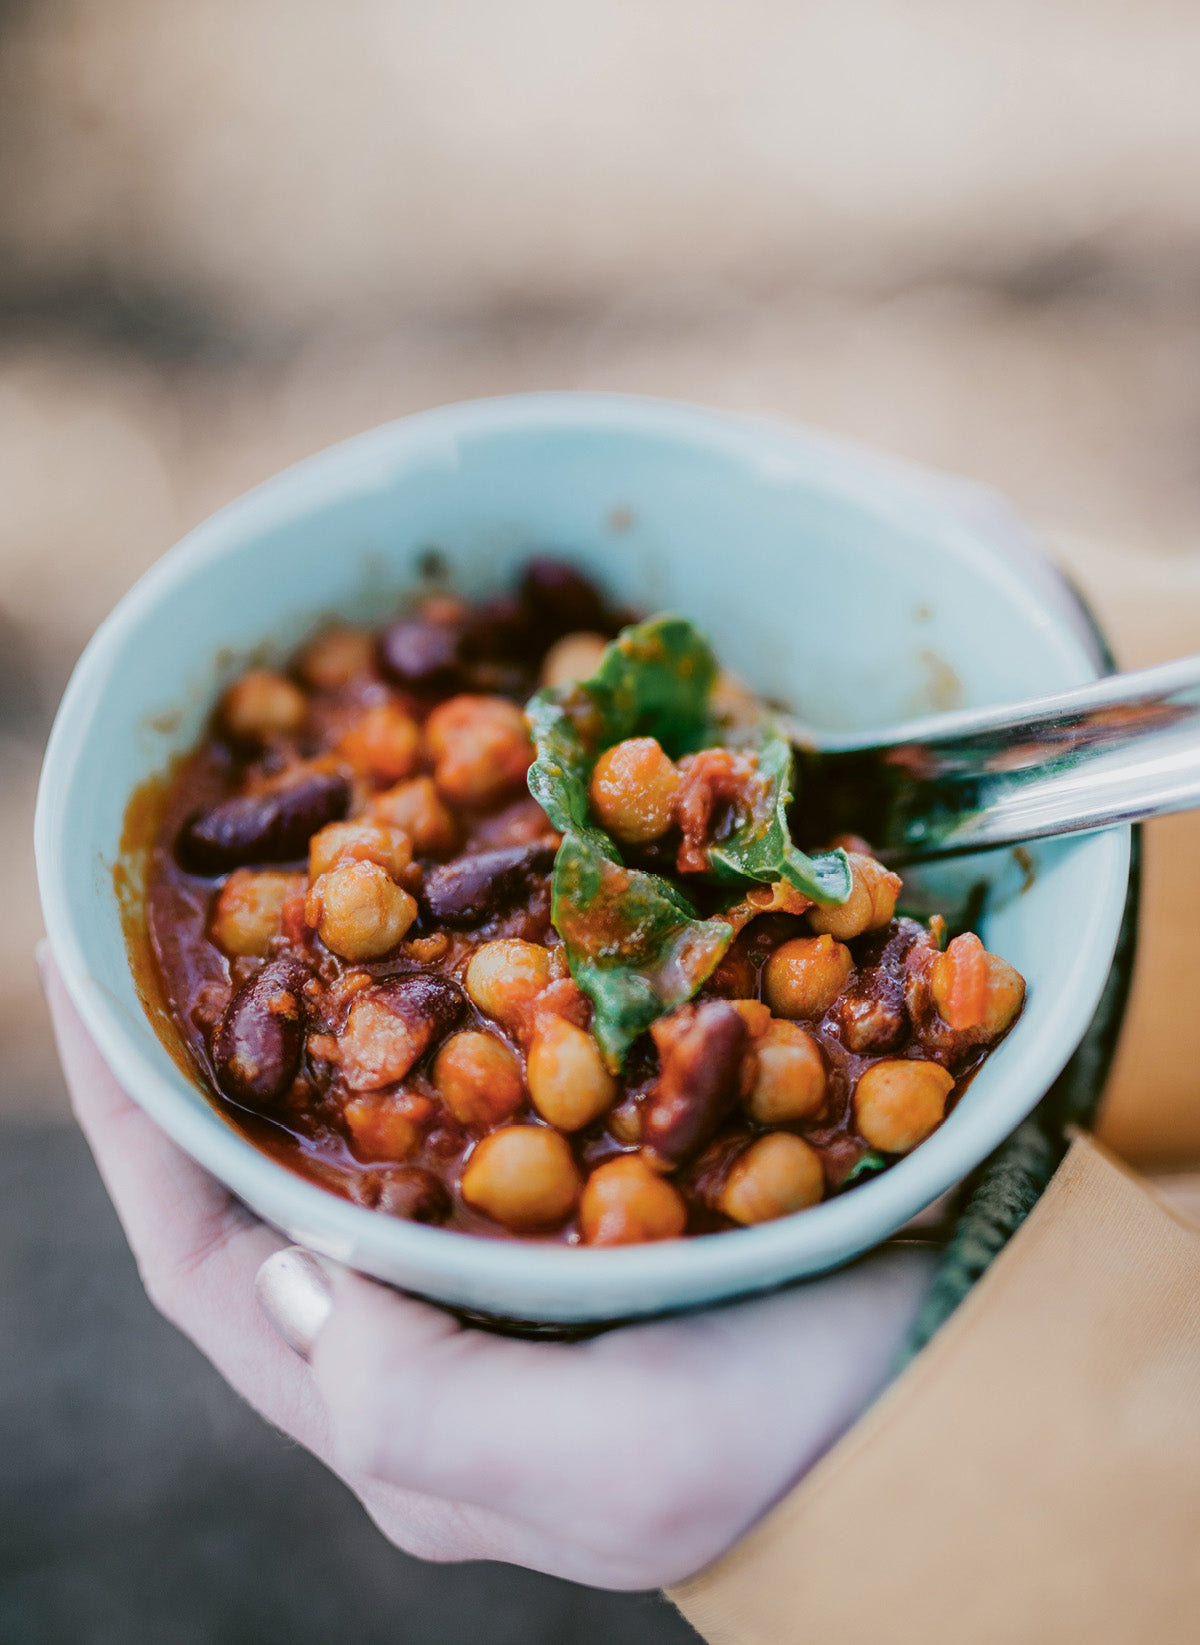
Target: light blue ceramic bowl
pixel 856 589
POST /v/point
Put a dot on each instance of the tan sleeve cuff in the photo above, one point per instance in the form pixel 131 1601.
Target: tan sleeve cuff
pixel 1033 1476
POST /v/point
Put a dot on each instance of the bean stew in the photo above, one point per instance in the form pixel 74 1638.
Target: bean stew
pixel 494 919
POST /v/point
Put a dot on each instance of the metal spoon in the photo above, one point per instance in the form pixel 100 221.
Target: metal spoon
pixel 1120 749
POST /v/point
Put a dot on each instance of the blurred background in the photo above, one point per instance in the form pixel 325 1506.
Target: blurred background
pixel 234 231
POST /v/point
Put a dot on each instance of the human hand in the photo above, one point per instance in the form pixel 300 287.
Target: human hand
pixel 625 1461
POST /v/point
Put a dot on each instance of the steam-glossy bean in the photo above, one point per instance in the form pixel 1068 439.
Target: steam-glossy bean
pixel 249 908
pixel 488 882
pixel 776 1175
pixel 523 1176
pixel 898 1103
pixel 387 1126
pixel 257 1044
pixel 385 743
pixel 568 1081
pixel 633 790
pixel 560 600
pixel 505 977
pixel 361 840
pixel 803 977
pixel 391 1025
pixel 871 903
pixel 626 1203
pixel 418 808
pixel 699 1083
pixel 262 705
pixel 790 1079
pixel 480 746
pixel 478 1077
pixel 274 826
pixel 358 910
pixel 976 990
pixel 574 657
pixel 336 656
pixel 421 655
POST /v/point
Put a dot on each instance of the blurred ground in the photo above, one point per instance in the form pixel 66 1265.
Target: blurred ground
pixel 232 233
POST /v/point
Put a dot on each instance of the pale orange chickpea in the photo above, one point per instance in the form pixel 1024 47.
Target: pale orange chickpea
pixel 790 1080
pixel 975 989
pixel 262 705
pixel 249 910
pixel 478 1077
pixel 803 977
pixel 568 1081
pixel 871 903
pixel 362 840
pixel 900 1102
pixel 358 910
pixel 385 743
pixel 633 790
pixel 336 656
pixel 523 1177
pixel 387 1128
pixel 755 1015
pixel 505 977
pixel 418 808
pixel 776 1175
pixel 625 1202
pixel 480 747
pixel 574 657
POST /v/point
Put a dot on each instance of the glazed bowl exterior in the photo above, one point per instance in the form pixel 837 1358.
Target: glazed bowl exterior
pixel 856 589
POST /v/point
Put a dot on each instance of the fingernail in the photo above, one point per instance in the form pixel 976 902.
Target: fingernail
pixel 295 1293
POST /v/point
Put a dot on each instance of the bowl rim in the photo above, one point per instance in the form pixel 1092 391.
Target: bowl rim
pixel 735 1260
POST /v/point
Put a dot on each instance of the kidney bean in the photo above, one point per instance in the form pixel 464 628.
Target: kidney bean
pixel 274 826
pixel 407 1191
pixel 391 1026
pixel 468 890
pixel 257 1044
pixel 496 631
pixel 874 1012
pixel 561 600
pixel 422 655
pixel 699 1083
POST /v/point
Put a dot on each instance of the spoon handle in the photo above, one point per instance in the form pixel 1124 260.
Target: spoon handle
pixel 1115 751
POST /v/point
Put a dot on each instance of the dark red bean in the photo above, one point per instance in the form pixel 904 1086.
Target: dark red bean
pixel 699 1084
pixel 428 1003
pixel 274 826
pixel 561 600
pixel 256 1048
pixel 406 1191
pixel 422 655
pixel 874 1012
pixel 470 889
pixel 496 631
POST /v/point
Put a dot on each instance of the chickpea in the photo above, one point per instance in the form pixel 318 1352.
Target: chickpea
pixel 505 977
pixel 418 809
pixel 262 705
pixel 478 1077
pixel 358 910
pixel 359 841
pixel 387 1128
pixel 523 1176
pixel 755 1015
pixel 480 747
pixel 898 1103
pixel 336 656
pixel 249 910
pixel 626 1203
pixel 803 977
pixel 776 1175
pixel 633 790
pixel 568 1081
pixel 871 903
pixel 574 657
pixel 974 989
pixel 385 743
pixel 790 1082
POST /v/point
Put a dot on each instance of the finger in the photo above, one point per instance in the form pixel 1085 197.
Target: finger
pixel 720 1411
pixel 197 1249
